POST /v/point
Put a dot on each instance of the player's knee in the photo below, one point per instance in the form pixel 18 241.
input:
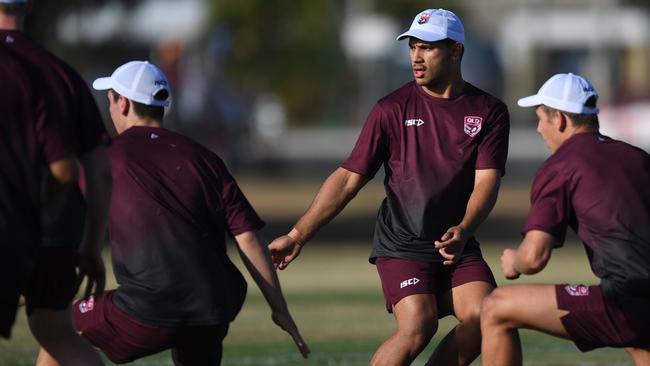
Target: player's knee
pixel 419 335
pixel 492 309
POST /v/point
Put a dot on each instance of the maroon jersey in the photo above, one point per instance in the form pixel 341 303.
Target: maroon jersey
pixel 430 149
pixel 32 136
pixel 69 90
pixel 63 219
pixel 173 202
pixel 600 188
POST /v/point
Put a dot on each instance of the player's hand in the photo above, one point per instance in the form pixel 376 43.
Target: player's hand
pixel 508 264
pixel 91 267
pixel 284 250
pixel 451 244
pixel 284 320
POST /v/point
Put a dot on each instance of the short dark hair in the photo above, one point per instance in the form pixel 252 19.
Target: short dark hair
pixel 448 42
pixel 579 119
pixel 144 110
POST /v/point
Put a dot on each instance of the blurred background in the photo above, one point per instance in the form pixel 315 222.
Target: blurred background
pixel 283 87
pixel 280 89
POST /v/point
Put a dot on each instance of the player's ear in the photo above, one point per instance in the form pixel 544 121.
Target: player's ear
pixel 124 105
pixel 457 50
pixel 562 121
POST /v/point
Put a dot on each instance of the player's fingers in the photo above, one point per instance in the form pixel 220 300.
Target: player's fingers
pixel 101 284
pixel 89 287
pixel 79 280
pixel 300 343
pixel 449 258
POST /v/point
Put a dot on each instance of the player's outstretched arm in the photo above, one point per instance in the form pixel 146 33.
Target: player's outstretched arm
pixel 257 260
pixel 484 196
pixel 531 257
pixel 97 172
pixel 335 193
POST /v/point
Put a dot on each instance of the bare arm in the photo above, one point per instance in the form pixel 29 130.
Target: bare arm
pixel 531 256
pixel 484 196
pixel 335 193
pixel 257 260
pixel 65 173
pixel 98 177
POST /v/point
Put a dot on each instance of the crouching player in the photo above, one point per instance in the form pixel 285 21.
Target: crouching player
pixel 599 187
pixel 173 202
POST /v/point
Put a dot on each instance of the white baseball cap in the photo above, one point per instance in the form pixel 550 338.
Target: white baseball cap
pixel 435 25
pixel 564 92
pixel 139 81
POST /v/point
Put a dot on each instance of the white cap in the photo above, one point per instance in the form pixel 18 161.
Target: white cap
pixel 12 1
pixel 564 92
pixel 435 25
pixel 139 81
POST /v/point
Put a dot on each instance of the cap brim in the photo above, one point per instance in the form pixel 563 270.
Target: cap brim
pixel 103 83
pixel 421 35
pixel 530 101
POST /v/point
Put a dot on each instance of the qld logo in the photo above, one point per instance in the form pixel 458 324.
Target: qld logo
pixel 577 290
pixel 87 305
pixel 424 17
pixel 472 125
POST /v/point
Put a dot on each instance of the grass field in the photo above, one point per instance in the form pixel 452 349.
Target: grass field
pixel 335 296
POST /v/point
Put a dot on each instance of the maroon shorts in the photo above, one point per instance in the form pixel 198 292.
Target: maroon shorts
pixel 124 339
pixel 594 320
pixel 11 270
pixel 52 283
pixel 46 279
pixel 405 277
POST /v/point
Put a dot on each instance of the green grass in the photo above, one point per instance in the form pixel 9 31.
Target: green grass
pixel 335 297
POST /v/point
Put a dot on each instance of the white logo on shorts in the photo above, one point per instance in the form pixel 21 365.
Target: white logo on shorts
pixel 409 282
pixel 577 290
pixel 413 122
pixel 87 305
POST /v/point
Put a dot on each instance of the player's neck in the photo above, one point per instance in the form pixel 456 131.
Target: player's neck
pixel 147 122
pixel 448 90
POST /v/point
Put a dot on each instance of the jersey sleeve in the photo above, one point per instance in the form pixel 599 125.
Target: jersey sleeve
pixel 371 150
pixel 550 205
pixel 239 213
pixel 493 149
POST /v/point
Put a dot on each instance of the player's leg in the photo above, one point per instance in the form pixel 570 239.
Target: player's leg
pixel 462 344
pixel 54 332
pixel 510 308
pixel 48 295
pixel 409 290
pixel 417 322
pixel 461 289
pixel 195 346
pixel 640 356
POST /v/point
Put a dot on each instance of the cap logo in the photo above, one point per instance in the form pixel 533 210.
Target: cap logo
pixel 424 17
pixel 160 82
pixel 472 125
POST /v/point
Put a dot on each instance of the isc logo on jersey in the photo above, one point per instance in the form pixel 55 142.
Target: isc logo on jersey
pixel 413 122
pixel 409 282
